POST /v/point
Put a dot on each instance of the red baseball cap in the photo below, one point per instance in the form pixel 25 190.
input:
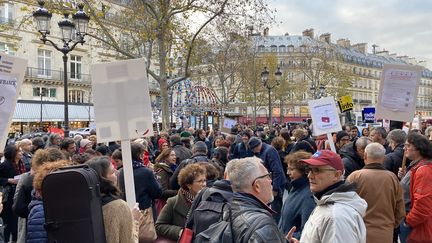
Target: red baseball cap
pixel 325 157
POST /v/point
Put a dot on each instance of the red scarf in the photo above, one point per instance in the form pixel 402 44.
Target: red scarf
pixel 19 167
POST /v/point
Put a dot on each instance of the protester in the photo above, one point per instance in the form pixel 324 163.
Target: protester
pixel 279 144
pixel 54 140
pixel 352 155
pixel 393 161
pixel 342 139
pixel 353 133
pixel 303 142
pixel 271 161
pixel 379 135
pixel 26 147
pixel 36 220
pixel 382 192
pixel 68 147
pixel 146 186
pixel 38 143
pixel 289 144
pixel 120 222
pixel 12 166
pixel 181 151
pixel 418 190
pixel 299 203
pixel 164 169
pixel 242 150
pixel 85 145
pixel 251 218
pixel 365 132
pixel 338 216
pixel 172 218
pixel 220 158
pixel 23 196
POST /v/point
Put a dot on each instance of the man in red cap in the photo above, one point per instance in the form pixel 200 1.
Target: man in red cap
pixel 338 215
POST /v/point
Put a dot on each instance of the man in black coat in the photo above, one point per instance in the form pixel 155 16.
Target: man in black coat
pixel 353 155
pixel 180 150
pixel 394 159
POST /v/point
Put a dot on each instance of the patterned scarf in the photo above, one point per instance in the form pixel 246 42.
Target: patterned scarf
pixel 188 196
pixel 19 168
pixel 137 164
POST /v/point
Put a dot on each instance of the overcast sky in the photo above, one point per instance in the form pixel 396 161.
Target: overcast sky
pixel 399 26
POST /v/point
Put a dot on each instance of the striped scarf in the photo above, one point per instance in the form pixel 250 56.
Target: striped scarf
pixel 188 196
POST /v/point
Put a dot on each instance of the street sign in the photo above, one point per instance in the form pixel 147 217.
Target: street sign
pixel 369 114
pixel 345 103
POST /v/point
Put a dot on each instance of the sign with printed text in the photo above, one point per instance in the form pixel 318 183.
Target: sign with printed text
pixel 12 70
pixel 325 118
pixel 368 114
pixel 228 124
pixel 398 92
pixel 345 103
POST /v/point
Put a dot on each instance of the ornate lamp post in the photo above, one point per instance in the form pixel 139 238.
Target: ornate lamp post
pixel 317 93
pixel 67 27
pixel 269 86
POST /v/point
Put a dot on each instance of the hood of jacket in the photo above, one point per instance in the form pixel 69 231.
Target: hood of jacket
pixel 349 150
pixel 344 194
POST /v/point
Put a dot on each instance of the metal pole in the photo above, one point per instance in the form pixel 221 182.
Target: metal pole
pixel 40 122
pixel 65 87
pixel 270 111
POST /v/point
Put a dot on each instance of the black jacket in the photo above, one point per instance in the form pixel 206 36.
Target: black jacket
pixel 394 159
pixel 249 214
pixel 351 159
pixel 182 152
pixel 194 159
pixel 306 144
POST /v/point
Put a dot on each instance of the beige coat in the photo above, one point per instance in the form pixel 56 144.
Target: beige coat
pixel 120 227
pixel 383 193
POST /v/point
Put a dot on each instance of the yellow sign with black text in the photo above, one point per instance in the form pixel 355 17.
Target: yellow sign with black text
pixel 345 103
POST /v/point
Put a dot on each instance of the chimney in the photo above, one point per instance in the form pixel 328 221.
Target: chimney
pixel 286 34
pixel 360 47
pixel 383 53
pixel 309 32
pixel 344 43
pixel 266 31
pixel 325 37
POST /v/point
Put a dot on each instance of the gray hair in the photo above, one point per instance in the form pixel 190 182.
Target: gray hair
pixel 242 172
pixel 362 142
pixel 397 135
pixel 381 131
pixel 199 147
pixel 375 151
pixel 24 141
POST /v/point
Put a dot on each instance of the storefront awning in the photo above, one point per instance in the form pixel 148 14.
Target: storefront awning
pixel 31 112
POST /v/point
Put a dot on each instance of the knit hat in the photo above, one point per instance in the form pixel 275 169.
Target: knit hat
pixel 162 141
pixel 84 142
pixel 185 134
pixel 254 142
pixel 325 157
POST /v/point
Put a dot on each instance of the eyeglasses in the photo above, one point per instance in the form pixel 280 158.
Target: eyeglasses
pixel 269 175
pixel 201 181
pixel 317 170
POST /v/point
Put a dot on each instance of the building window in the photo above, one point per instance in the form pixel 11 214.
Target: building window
pixel 291 76
pixel 6 13
pixel 7 48
pixel 44 63
pixel 273 48
pixel 282 48
pixel 76 96
pixel 75 67
pixel 290 48
pixel 261 48
pixel 46 92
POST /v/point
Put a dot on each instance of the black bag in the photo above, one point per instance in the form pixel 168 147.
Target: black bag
pixel 221 232
pixel 211 208
pixel 72 205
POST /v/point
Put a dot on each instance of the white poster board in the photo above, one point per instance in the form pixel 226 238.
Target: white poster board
pixel 121 100
pixel 228 124
pixel 122 109
pixel 12 70
pixel 324 115
pixel 398 92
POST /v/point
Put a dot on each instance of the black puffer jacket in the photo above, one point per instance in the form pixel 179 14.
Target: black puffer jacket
pixel 351 159
pixel 253 221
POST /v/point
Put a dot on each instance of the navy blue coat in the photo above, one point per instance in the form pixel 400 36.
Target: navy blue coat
pixel 271 159
pixel 297 207
pixel 240 151
pixel 35 223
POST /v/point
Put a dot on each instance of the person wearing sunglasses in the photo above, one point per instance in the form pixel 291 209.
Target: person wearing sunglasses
pixel 338 216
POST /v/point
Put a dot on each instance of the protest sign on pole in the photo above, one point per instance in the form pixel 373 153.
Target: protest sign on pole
pixel 398 92
pixel 368 114
pixel 228 124
pixel 122 109
pixel 325 118
pixel 12 70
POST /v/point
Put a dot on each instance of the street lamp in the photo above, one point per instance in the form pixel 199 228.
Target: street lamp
pixel 317 93
pixel 270 85
pixel 67 27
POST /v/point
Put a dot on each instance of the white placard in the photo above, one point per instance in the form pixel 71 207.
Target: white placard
pixel 229 123
pixel 324 115
pixel 398 92
pixel 12 70
pixel 121 100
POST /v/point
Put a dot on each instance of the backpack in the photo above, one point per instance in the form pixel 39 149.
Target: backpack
pixel 220 232
pixel 211 208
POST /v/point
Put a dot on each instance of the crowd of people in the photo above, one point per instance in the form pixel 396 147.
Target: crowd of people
pixel 278 184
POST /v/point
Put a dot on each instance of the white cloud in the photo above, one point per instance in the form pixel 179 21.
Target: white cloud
pixel 399 26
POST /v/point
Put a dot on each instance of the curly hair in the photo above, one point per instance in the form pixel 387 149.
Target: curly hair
pixel 43 156
pixel 189 173
pixel 44 170
pixel 294 160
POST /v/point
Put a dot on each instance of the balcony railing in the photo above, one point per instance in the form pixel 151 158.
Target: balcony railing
pixel 56 75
